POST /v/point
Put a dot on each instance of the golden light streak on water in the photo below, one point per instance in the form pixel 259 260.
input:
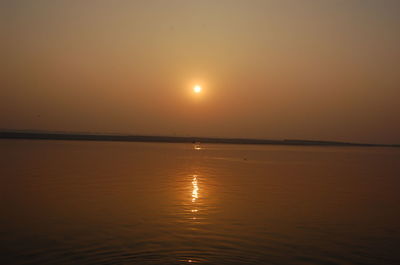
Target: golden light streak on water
pixel 195 194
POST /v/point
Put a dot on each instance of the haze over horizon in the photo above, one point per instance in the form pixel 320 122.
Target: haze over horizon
pixel 323 70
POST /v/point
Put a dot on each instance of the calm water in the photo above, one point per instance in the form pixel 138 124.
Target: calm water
pixel 145 203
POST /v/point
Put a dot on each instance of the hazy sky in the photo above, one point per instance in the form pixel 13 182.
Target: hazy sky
pixel 326 70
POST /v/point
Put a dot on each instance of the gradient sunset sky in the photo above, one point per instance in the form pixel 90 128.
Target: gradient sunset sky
pixel 327 70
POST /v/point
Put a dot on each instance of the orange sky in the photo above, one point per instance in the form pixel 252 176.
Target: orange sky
pixel 327 70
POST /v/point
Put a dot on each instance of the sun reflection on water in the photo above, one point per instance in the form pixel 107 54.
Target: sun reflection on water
pixel 195 194
pixel 197 147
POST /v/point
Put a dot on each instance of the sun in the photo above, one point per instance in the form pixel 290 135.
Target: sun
pixel 197 89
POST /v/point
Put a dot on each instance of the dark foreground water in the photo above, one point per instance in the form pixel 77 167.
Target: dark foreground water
pixel 146 203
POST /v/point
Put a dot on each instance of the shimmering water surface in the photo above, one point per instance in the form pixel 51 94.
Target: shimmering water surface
pixel 67 202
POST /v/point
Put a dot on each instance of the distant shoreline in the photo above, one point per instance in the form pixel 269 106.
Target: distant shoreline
pixel 173 139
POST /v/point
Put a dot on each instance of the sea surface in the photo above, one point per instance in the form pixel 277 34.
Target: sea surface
pixel 77 202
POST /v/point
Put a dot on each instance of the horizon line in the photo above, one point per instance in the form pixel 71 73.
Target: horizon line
pixel 81 136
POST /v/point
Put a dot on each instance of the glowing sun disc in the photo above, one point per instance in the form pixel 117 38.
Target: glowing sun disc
pixel 197 89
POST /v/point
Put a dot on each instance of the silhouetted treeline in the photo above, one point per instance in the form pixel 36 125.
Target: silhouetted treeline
pixel 169 139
